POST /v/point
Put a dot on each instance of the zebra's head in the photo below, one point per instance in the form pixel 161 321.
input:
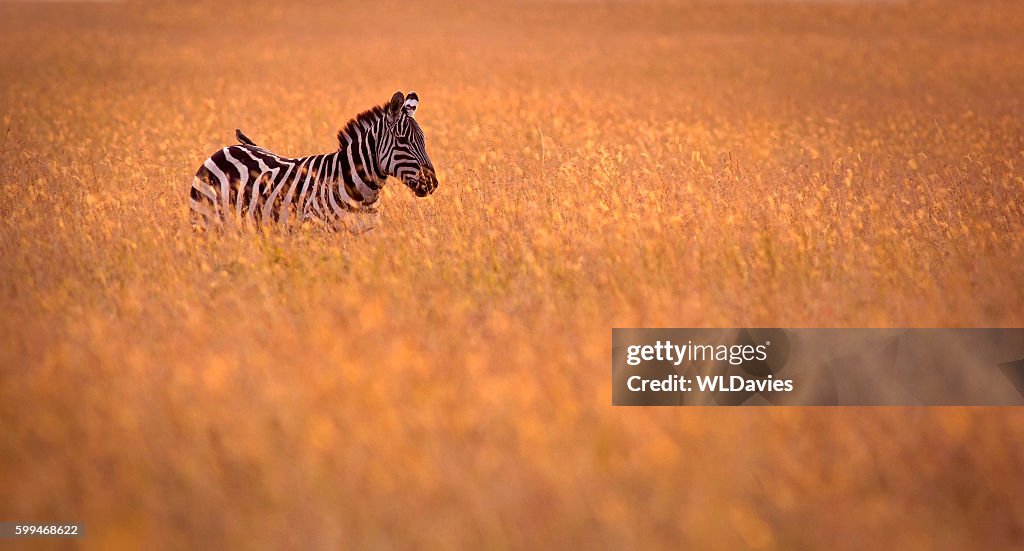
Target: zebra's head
pixel 402 151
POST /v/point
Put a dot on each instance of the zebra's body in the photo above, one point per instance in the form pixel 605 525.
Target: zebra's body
pixel 262 187
pixel 249 184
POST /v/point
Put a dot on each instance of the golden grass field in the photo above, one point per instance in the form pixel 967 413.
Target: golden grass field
pixel 443 380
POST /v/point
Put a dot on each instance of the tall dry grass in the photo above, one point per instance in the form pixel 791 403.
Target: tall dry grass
pixel 443 381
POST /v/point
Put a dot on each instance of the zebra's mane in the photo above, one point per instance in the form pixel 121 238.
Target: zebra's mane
pixel 366 117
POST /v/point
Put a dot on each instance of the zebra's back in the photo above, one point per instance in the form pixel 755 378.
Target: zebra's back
pixel 251 185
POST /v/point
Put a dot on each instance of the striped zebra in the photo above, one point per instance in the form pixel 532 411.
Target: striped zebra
pixel 248 183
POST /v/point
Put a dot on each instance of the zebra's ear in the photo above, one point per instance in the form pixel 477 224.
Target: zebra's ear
pixel 411 101
pixel 395 106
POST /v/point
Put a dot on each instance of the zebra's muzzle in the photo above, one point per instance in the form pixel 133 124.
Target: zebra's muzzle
pixel 426 182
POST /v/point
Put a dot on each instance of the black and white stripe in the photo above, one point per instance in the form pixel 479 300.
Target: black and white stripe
pixel 250 184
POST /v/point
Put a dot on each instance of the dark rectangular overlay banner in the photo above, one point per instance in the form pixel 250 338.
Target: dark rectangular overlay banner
pixel 817 367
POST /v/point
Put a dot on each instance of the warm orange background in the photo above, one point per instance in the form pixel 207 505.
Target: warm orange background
pixel 443 381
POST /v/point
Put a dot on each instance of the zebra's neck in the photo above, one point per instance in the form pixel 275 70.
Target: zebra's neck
pixel 357 153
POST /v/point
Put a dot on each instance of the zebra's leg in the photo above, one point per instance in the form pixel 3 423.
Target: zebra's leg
pixel 362 228
pixel 197 221
pixel 310 220
pixel 372 219
pixel 358 222
pixel 202 202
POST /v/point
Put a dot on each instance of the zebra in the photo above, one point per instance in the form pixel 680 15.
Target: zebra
pixel 249 183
